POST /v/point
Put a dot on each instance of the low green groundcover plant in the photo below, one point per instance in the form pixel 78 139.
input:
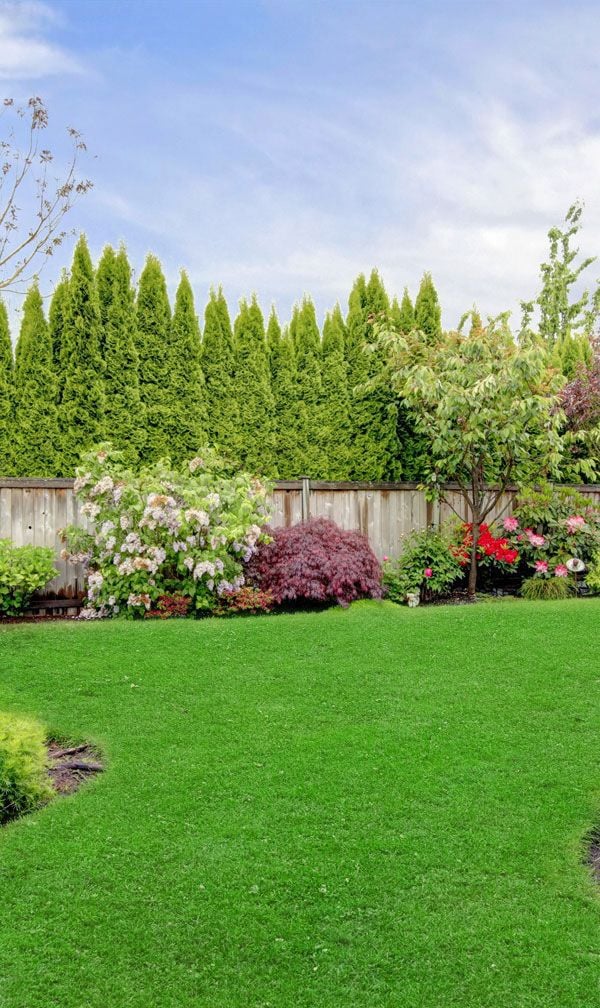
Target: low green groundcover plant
pixel 540 587
pixel 161 532
pixel 24 782
pixel 23 571
pixel 371 807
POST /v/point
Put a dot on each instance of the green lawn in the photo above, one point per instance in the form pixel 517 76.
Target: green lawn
pixel 367 808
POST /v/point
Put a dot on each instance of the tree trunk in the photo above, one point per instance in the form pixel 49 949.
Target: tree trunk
pixel 472 584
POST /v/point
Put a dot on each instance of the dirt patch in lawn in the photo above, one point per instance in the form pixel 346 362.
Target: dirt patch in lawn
pixel 593 854
pixel 70 766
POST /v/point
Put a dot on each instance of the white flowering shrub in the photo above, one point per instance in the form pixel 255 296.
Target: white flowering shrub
pixel 161 531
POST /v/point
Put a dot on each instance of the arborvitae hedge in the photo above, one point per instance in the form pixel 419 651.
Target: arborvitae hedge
pixel 337 428
pixel 428 314
pixel 81 411
pixel 124 413
pixel 218 366
pixel 253 388
pixel 35 434
pixel 309 458
pixel 188 420
pixel 6 394
pixel 284 386
pixel 153 344
pixel 56 321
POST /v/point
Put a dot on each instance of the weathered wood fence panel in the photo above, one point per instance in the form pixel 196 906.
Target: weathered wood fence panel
pixel 34 510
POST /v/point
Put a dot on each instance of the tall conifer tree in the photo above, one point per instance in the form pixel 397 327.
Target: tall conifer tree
pixel 282 366
pixel 125 415
pixel 336 399
pixel 309 427
pixel 81 412
pixel 36 416
pixel 104 285
pixel 406 314
pixel 56 321
pixel 188 416
pixel 374 411
pixel 6 395
pixel 253 385
pixel 428 314
pixel 218 366
pixel 153 344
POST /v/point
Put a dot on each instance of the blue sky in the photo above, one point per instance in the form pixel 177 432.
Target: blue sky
pixel 283 146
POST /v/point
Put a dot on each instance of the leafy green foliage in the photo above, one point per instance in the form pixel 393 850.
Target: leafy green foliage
pixel 162 531
pixel 592 577
pixel 6 394
pixel 426 566
pixel 24 782
pixel 23 571
pixel 36 435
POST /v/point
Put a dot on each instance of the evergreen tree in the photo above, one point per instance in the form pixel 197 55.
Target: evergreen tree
pixel 56 321
pixel 35 435
pixel 406 314
pixel 309 460
pixel 104 286
pixel 6 395
pixel 153 344
pixel 124 413
pixel 253 385
pixel 81 411
pixel 428 315
pixel 373 410
pixel 188 417
pixel 282 366
pixel 218 366
pixel 336 399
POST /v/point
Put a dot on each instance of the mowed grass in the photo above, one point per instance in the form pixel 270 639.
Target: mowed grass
pixel 373 807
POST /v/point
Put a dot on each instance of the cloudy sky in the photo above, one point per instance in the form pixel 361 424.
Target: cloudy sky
pixel 284 146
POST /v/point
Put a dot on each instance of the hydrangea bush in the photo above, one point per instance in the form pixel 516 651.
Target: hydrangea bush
pixel 161 531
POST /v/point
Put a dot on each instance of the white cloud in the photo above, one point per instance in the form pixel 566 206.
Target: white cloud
pixel 24 52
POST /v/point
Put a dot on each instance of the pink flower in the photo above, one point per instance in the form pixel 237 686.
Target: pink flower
pixel 385 559
pixel 510 524
pixel 428 572
pixel 541 566
pixel 574 524
pixel 560 571
pixel 536 540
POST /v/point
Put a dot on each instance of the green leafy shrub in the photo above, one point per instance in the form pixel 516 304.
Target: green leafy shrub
pixel 24 782
pixel 245 600
pixel 426 566
pixel 161 532
pixel 539 588
pixel 23 571
pixel 593 575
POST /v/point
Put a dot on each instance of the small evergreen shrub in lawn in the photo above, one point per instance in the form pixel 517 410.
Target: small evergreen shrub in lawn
pixel 426 565
pixel 24 783
pixel 316 561
pixel 539 588
pixel 23 571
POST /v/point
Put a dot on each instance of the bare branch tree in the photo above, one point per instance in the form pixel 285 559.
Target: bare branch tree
pixel 33 202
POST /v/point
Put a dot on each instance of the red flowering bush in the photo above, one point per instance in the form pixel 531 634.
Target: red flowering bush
pixel 316 561
pixel 170 605
pixel 245 600
pixel 490 548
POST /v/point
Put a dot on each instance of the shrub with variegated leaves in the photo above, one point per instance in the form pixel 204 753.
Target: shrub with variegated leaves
pixel 160 531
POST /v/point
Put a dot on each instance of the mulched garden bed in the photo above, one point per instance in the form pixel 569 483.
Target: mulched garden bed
pixel 70 766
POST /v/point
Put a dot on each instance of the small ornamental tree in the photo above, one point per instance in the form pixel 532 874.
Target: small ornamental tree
pixel 490 411
pixel 163 532
pixel 316 561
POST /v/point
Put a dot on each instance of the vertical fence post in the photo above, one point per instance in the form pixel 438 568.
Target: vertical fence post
pixel 305 497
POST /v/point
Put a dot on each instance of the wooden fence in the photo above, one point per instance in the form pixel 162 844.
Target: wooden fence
pixel 32 511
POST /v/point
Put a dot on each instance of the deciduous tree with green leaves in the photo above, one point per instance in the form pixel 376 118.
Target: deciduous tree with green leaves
pixel 489 407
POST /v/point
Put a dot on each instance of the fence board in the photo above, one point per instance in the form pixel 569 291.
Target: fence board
pixel 34 510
